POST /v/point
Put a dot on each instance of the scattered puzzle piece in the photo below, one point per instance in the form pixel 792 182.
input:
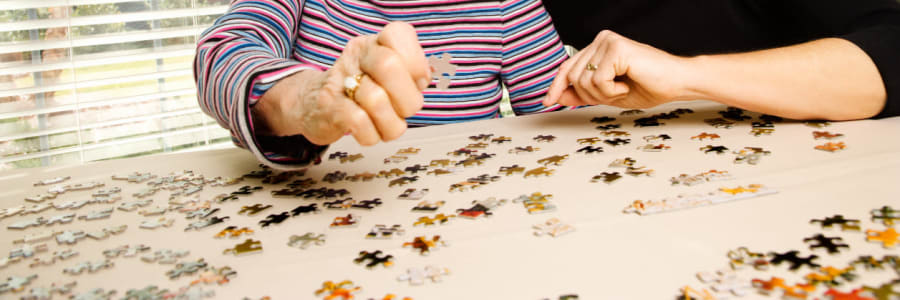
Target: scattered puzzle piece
pixel 437 219
pixel 833 294
pixel 526 149
pixel 165 256
pixel 305 240
pixel 417 276
pixel 831 147
pixel 501 139
pixel 590 149
pixel 719 123
pixel 391 173
pixel 607 177
pixel 704 135
pixel 538 172
pixel 603 119
pixel 654 148
pixel 617 142
pixel 375 258
pixel 253 209
pixel 349 221
pixel 365 176
pixel 153 224
pixel 413 194
pixel 767 287
pixel 351 158
pixel 552 227
pixel 21 225
pixel 716 149
pixel 830 275
pixel 247 247
pixel 403 181
pixel 380 231
pixel 589 141
pixel 846 224
pixel 424 245
pixel 886 215
pixel 274 219
pixel 831 244
pixel 555 160
pixel 91 267
pixel 16 284
pixel 70 237
pixel 206 223
pixel 233 232
pixel 888 238
pixel 344 290
pixel 817 123
pixel 743 257
pixel 186 268
pixel 795 261
pixel 826 135
pixel 544 138
pixel 426 206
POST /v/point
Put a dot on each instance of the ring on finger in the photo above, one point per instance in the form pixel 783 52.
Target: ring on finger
pixel 351 84
pixel 591 67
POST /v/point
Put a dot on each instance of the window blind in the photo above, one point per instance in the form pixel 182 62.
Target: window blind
pixel 87 80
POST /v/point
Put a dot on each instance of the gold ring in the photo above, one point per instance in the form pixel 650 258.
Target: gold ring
pixel 591 67
pixel 351 84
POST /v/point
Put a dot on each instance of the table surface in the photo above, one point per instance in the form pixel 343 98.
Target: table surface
pixel 610 255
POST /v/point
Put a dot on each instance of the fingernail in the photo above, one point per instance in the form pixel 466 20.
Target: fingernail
pixel 423 84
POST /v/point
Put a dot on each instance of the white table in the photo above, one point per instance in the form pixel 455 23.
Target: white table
pixel 610 255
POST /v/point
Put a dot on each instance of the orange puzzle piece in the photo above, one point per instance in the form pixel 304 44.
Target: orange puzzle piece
pixel 831 147
pixel 888 238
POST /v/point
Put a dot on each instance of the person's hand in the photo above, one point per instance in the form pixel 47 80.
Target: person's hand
pixel 395 72
pixel 614 70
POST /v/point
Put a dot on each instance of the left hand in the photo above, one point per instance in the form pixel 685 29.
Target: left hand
pixel 628 74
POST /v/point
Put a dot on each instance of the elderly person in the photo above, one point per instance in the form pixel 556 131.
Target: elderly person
pixel 288 77
pixel 802 59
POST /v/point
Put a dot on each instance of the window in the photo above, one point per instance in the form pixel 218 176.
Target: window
pixel 87 80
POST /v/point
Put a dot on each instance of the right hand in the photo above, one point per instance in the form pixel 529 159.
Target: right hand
pixel 313 103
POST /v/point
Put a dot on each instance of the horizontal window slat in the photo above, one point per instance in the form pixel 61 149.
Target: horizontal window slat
pixel 133 36
pixel 94 83
pixel 95 125
pixel 103 144
pixel 113 101
pixel 117 18
pixel 26 4
pixel 107 58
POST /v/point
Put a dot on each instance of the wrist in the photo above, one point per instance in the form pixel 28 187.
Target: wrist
pixel 277 111
pixel 694 78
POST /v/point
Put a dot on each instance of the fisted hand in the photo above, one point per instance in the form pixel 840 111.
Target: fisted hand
pixel 614 70
pixel 389 71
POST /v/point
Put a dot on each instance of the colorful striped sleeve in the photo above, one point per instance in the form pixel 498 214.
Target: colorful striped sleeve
pixel 532 54
pixel 238 59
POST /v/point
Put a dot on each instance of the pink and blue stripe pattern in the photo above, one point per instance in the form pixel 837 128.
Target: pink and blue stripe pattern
pixel 258 42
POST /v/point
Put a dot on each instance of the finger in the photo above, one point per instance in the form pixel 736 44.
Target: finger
pixel 358 124
pixel 569 98
pixel 609 68
pixel 586 82
pixel 375 101
pixel 579 68
pixel 386 68
pixel 580 63
pixel 560 82
pixel 401 37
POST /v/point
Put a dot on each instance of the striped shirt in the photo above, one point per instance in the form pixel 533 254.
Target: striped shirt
pixel 258 42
